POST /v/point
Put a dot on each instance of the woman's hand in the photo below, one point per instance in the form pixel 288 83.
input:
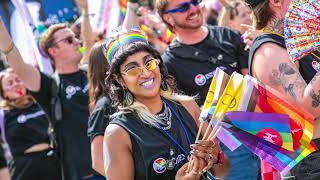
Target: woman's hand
pixel 6 41
pixel 196 171
pixel 249 35
pixel 208 151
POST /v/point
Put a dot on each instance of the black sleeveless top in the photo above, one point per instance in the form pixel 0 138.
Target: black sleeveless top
pixel 151 146
pixel 306 69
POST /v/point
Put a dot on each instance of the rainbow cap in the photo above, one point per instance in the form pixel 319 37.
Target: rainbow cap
pixel 121 38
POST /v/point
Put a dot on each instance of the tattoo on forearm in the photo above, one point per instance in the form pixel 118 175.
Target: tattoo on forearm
pixel 280 77
pixel 315 99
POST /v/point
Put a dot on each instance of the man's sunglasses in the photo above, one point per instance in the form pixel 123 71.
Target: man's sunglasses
pixel 68 39
pixel 183 7
pixel 136 71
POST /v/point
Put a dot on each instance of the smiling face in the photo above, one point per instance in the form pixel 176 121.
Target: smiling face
pixel 12 87
pixel 190 19
pixel 143 84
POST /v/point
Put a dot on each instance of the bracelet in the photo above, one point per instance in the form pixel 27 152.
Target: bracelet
pixel 9 49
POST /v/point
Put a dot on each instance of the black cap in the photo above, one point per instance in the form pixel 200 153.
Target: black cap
pixel 254 3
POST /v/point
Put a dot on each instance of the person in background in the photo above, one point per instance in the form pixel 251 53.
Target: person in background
pixel 150 135
pixel 234 14
pixel 4 172
pixel 237 15
pixel 60 44
pixel 211 10
pixel 299 80
pixel 26 130
pixel 192 59
pixel 99 104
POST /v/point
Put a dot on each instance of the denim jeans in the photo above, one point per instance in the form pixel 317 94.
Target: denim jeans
pixel 244 165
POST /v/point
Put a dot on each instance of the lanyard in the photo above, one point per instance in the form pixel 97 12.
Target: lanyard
pixel 183 127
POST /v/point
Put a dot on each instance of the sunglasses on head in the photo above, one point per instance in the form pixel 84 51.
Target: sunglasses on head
pixel 149 66
pixel 68 39
pixel 183 7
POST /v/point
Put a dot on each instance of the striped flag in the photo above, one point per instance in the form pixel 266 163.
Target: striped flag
pixel 26 33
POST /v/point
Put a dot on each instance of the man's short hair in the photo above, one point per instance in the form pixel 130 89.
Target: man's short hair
pixel 47 39
pixel 161 6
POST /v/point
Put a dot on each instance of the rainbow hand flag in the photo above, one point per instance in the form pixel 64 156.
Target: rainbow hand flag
pixel 270 124
pixel 279 158
pixel 271 127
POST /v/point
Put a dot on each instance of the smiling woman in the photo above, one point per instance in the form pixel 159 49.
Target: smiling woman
pixel 150 135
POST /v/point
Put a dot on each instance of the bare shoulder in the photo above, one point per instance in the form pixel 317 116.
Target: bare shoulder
pixel 272 66
pixel 116 135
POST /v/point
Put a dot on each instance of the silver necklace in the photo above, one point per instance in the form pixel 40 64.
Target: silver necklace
pixel 165 117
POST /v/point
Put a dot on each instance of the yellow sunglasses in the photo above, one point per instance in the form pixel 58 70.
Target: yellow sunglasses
pixel 149 66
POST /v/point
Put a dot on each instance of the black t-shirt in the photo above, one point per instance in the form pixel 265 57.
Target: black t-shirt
pixel 25 127
pixel 3 161
pixel 100 117
pixel 193 66
pixel 306 68
pixel 72 130
pixel 151 146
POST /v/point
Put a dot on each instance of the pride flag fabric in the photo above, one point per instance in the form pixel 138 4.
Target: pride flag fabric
pixel 274 128
pixel 268 123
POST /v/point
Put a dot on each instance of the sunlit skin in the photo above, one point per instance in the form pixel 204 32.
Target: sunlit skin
pixel 191 19
pixel 64 53
pixel 12 86
pixel 145 86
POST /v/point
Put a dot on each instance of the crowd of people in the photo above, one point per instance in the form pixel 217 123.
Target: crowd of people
pixel 128 107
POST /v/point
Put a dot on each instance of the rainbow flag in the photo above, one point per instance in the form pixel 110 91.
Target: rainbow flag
pixel 279 158
pixel 269 100
pixel 271 127
pixel 123 9
pixel 293 127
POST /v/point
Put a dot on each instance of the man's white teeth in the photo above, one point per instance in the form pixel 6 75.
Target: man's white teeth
pixel 195 15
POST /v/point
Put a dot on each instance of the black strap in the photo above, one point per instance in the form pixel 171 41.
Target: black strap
pixel 264 38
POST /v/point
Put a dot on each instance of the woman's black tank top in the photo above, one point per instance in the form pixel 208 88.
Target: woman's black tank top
pixel 306 69
pixel 151 146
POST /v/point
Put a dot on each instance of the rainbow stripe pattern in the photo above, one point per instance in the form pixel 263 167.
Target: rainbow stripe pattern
pixel 122 38
pixel 270 125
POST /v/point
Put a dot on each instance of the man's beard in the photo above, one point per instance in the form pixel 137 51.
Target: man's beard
pixel 186 25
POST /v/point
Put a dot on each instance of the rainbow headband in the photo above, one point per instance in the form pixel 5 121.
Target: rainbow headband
pixel 114 43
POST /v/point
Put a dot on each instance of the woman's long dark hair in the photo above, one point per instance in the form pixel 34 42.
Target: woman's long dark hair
pixel 97 68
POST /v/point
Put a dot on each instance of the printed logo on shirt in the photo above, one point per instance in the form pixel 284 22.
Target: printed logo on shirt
pixel 316 65
pixel 23 118
pixel 201 79
pixel 220 57
pixel 181 157
pixel 159 165
pixel 234 65
pixel 72 90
